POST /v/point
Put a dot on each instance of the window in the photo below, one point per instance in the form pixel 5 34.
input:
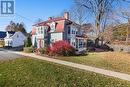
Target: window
pixel 52 40
pixel 69 40
pixel 41 30
pixel 7 42
pixel 72 32
pixel 10 43
pixel 84 45
pixel 68 29
pixel 17 36
pixel 74 44
pixel 76 32
pixel 80 43
pixel 45 31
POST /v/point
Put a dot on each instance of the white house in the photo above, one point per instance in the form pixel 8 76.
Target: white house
pixel 55 29
pixel 14 39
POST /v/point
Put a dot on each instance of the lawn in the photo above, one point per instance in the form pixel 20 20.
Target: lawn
pixel 116 61
pixel 27 72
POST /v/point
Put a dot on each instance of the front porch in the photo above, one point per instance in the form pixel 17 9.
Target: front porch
pixel 81 44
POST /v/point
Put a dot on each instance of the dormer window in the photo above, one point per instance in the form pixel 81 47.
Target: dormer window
pixel 52 26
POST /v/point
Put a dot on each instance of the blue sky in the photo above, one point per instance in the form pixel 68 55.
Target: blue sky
pixel 34 9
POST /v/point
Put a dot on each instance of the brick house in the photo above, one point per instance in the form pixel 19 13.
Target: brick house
pixel 55 29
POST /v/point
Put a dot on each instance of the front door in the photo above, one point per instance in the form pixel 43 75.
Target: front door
pixel 40 43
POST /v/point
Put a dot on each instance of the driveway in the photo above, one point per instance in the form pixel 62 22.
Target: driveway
pixel 7 55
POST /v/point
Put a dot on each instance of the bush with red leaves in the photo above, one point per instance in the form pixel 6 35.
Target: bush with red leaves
pixel 60 48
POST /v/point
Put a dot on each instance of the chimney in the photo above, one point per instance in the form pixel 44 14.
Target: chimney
pixel 50 18
pixel 66 15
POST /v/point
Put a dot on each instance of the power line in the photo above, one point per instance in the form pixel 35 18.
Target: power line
pixel 24 17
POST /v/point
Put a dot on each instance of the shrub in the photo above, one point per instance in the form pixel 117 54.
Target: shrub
pixel 62 48
pixel 28 49
pixel 1 43
pixel 42 50
pixel 28 42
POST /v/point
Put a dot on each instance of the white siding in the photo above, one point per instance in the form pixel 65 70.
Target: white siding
pixel 72 36
pixel 56 37
pixel 16 40
pixel 33 39
pixel 8 42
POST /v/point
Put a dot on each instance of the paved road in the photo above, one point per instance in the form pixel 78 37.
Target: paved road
pixel 7 55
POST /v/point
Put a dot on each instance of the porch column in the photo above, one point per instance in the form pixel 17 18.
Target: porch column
pixel 78 43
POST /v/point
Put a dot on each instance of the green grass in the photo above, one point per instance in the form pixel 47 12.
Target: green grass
pixel 36 73
pixel 115 61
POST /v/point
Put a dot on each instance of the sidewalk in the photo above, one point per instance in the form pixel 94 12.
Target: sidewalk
pixel 80 66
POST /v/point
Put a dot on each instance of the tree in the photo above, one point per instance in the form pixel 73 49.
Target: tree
pixel 28 42
pixel 115 32
pixel 126 15
pixel 78 14
pixel 87 29
pixel 16 27
pixel 21 27
pixel 108 34
pixel 100 10
pixel 11 26
pixel 119 32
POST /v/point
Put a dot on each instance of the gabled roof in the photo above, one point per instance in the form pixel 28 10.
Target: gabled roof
pixel 11 32
pixel 49 21
pixel 2 34
pixel 59 24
